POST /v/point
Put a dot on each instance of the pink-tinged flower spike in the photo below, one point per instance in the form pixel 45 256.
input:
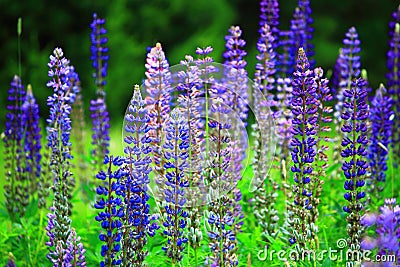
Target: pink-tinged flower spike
pixel 381 117
pixel 16 187
pixel 304 106
pixel 354 152
pixel 158 87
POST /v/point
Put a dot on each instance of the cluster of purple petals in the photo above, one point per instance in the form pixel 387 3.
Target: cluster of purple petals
pixel 387 238
pixel 111 210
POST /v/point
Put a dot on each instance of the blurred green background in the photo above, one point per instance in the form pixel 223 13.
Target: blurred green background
pixel 180 25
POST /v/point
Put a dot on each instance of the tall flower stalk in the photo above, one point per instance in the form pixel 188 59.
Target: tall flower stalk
pixel 304 105
pixel 98 108
pixel 393 80
pixel 350 69
pixel 16 187
pixel 189 101
pixel 32 141
pixel 320 165
pixel 58 137
pixel 381 117
pixel 354 154
pixel 158 87
pixel 137 220
pixel 265 196
pixel 175 215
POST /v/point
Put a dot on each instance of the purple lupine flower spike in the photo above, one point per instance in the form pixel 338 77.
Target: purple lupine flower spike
pixel 382 119
pixel 58 136
pixel 302 30
pixel 175 215
pixel 350 69
pixel 269 14
pixel 16 187
pixel 158 87
pixel 393 80
pixel 99 52
pixel 354 154
pixel 111 210
pixel 98 107
pixel 304 106
pixel 287 58
pixel 32 141
pixel 138 225
pixel 75 255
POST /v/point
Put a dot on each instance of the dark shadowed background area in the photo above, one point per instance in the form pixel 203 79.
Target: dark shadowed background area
pixel 180 25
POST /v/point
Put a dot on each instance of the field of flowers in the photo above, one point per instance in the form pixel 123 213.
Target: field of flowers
pixel 295 166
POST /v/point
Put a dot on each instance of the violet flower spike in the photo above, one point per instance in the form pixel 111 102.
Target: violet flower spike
pixel 16 187
pixel 111 210
pixel 304 107
pixel 137 223
pixel 98 107
pixel 354 154
pixel 32 142
pixel 381 117
pixel 176 165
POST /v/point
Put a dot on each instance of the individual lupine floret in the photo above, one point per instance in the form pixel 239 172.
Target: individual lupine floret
pixel 137 222
pixel 16 187
pixel 321 159
pixel 393 80
pixel 98 107
pixel 58 136
pixel 381 117
pixel 175 215
pixel 304 106
pixel 387 238
pixel 110 204
pixel 32 142
pixel 350 68
pixel 354 154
